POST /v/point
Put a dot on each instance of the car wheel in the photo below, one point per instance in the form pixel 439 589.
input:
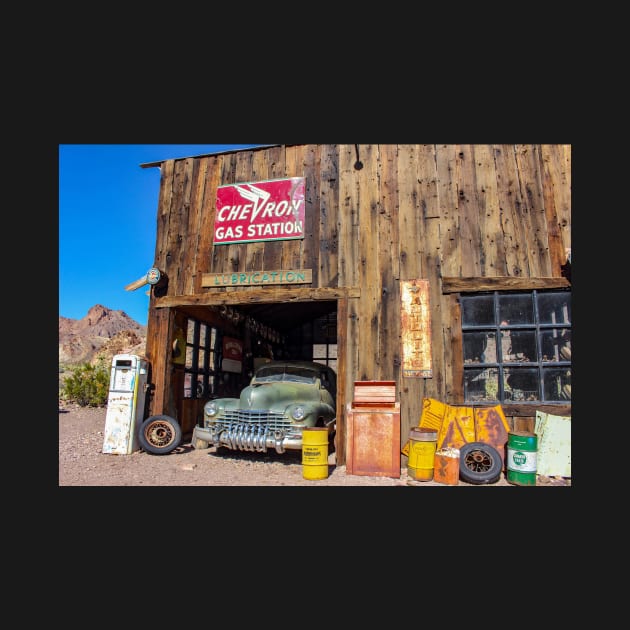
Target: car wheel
pixel 160 435
pixel 479 463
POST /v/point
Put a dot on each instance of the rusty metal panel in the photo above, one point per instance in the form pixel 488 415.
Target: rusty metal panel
pixel 373 441
pixel 491 427
pixel 458 427
pixel 416 329
pixel 433 412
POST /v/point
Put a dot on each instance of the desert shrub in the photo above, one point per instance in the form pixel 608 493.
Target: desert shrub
pixel 87 385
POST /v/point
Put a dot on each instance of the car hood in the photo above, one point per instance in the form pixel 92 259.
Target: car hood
pixel 277 395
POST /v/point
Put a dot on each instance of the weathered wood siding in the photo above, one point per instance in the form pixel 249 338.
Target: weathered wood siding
pixel 436 212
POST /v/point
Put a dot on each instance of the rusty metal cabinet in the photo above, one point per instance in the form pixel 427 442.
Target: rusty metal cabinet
pixel 373 430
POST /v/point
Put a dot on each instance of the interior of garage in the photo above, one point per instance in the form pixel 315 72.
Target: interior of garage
pixel 266 331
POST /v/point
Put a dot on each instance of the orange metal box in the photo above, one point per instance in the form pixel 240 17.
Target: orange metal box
pixel 373 430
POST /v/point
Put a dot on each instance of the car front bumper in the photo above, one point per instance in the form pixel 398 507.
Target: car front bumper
pixel 243 437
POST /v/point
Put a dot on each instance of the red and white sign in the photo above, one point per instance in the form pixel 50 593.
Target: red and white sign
pixel 271 210
pixel 232 355
pixel 232 348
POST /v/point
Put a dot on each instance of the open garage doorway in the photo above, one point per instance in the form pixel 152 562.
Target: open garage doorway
pixel 260 332
pixel 305 330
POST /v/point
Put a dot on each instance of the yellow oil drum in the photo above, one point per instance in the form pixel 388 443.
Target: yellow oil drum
pixel 315 453
pixel 422 444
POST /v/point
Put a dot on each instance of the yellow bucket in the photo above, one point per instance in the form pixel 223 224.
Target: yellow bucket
pixel 315 453
pixel 422 443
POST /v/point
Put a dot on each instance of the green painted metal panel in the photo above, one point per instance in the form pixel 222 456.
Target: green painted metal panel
pixel 554 445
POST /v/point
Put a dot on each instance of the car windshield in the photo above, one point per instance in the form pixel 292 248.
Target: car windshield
pixel 293 374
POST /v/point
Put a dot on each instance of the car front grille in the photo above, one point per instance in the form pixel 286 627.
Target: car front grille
pixel 261 418
pixel 251 430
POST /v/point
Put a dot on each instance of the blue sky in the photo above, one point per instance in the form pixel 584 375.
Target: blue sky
pixel 108 222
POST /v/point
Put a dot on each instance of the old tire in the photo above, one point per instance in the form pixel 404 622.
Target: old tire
pixel 479 463
pixel 159 435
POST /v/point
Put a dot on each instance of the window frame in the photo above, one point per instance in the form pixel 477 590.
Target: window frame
pixel 501 364
pixel 208 370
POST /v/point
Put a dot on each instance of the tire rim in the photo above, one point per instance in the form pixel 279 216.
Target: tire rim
pixel 478 461
pixel 160 434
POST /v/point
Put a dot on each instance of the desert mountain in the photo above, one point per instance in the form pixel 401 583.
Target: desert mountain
pixel 102 332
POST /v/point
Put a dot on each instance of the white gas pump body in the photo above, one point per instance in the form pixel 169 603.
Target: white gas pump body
pixel 125 404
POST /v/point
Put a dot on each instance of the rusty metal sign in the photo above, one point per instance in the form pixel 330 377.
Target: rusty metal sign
pixel 416 329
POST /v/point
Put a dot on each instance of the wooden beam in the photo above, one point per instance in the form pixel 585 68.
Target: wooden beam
pixel 530 410
pixel 502 283
pixel 136 284
pixel 258 296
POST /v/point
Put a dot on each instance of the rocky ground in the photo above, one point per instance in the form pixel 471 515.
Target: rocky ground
pixel 82 463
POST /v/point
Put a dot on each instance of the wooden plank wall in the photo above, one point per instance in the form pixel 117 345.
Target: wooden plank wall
pixel 410 254
pixel 349 273
pixel 411 211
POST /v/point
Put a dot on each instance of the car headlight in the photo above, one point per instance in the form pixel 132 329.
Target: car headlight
pixel 211 408
pixel 298 412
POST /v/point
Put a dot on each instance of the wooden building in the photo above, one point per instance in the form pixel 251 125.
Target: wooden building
pixel 410 262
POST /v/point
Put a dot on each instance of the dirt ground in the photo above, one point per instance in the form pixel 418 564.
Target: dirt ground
pixel 82 463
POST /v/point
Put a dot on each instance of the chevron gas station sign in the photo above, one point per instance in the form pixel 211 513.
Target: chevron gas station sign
pixel 271 210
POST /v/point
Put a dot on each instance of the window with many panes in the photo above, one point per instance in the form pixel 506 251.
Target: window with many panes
pixel 517 346
pixel 325 340
pixel 200 368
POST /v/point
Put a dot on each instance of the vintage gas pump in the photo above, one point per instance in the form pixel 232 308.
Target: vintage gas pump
pixel 125 404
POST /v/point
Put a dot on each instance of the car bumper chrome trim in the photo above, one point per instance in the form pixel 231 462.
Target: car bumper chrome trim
pixel 244 438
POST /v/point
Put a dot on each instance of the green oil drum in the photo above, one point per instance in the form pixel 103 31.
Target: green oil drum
pixel 522 449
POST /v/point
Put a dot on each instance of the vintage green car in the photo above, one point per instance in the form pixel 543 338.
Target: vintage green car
pixel 282 399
